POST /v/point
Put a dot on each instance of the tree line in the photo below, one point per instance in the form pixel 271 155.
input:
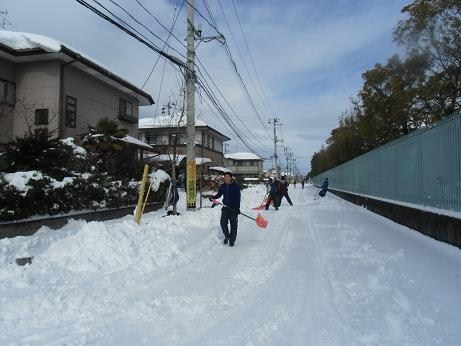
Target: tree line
pixel 406 93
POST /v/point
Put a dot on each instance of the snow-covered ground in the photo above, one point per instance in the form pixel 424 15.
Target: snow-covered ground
pixel 324 272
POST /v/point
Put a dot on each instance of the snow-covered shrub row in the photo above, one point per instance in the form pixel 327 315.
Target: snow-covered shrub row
pixel 59 177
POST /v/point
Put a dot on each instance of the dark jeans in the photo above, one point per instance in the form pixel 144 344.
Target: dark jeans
pixel 273 198
pixel 287 197
pixel 229 216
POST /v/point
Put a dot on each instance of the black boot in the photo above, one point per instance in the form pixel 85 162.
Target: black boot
pixel 226 240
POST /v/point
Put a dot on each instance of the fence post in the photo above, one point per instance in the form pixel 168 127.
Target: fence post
pixel 138 213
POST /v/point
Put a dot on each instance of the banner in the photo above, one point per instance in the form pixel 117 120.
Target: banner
pixel 191 184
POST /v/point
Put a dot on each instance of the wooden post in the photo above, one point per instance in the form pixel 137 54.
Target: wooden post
pixel 138 213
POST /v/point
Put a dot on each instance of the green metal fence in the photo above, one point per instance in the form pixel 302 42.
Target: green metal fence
pixel 422 168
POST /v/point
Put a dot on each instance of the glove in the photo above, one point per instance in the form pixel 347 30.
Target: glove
pixel 238 211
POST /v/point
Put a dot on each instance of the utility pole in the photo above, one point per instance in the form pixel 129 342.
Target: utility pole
pixel 285 149
pixel 275 122
pixel 191 188
pixel 192 35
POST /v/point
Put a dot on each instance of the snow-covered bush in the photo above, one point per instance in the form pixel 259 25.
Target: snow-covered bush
pixel 60 178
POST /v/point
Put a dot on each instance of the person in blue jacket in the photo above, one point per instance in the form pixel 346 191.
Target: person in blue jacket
pixel 324 188
pixel 230 191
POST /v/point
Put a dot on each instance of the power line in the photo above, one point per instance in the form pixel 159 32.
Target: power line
pixel 239 53
pixel 251 58
pixel 169 34
pixel 175 61
pixel 214 26
pixel 225 100
pixel 212 97
pixel 239 77
pixel 144 40
pixel 138 22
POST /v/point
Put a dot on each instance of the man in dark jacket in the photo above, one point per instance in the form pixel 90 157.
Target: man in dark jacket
pixel 230 191
pixel 274 194
pixel 324 188
pixel 284 190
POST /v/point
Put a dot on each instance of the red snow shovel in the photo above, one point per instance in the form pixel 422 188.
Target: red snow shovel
pixel 263 204
pixel 260 221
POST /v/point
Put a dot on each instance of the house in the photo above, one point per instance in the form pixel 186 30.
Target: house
pixel 247 165
pixel 159 132
pixel 45 85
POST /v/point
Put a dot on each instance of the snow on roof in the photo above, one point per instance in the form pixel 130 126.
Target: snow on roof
pixel 132 140
pixel 165 158
pixel 24 41
pixel 166 121
pixel 202 160
pixel 179 158
pixel 242 156
pixel 220 169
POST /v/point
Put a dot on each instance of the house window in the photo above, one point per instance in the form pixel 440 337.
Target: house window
pixel 125 110
pixel 7 93
pixel 71 111
pixel 212 143
pixel 41 117
pixel 151 139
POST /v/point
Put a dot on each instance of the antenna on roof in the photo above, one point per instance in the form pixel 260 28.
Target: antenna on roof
pixel 4 21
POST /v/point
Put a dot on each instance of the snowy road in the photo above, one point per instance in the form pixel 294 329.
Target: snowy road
pixel 324 272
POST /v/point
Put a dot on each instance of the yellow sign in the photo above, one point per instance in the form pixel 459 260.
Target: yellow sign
pixel 191 184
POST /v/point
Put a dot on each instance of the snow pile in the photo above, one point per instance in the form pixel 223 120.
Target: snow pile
pixel 20 179
pixel 324 272
pixel 99 247
pixel 157 177
pixel 78 150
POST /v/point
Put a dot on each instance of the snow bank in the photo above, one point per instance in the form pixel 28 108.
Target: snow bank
pixel 101 247
pixel 325 272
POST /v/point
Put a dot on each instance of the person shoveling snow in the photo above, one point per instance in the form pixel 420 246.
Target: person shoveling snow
pixel 230 191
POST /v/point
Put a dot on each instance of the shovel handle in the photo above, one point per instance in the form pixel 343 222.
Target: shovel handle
pixel 217 202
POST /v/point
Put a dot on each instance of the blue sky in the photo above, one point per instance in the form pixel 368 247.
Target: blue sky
pixel 309 55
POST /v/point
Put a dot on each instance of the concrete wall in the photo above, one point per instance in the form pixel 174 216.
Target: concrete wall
pixel 95 100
